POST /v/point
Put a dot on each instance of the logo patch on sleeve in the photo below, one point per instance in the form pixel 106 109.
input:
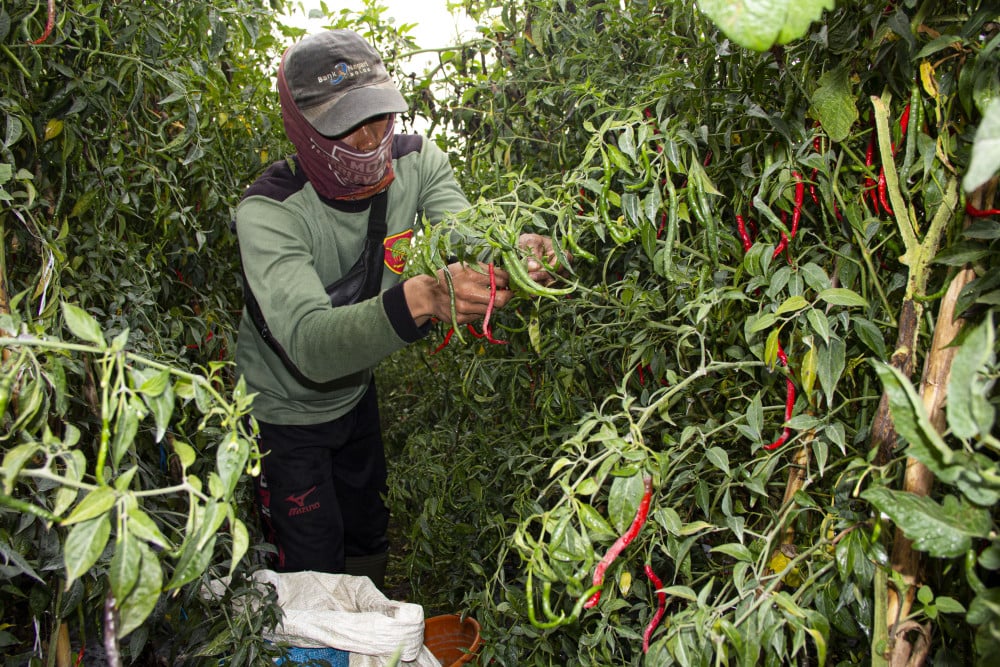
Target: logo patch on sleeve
pixel 396 247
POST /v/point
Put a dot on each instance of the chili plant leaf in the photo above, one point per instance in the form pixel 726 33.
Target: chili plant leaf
pixel 985 149
pixel 760 24
pixel 136 608
pixel 83 325
pixel 124 570
pixel 192 563
pixel 94 504
pixel 84 545
pixel 912 423
pixel 943 530
pixel 833 104
pixel 969 409
pixel 623 500
pixel 841 296
pixel 230 459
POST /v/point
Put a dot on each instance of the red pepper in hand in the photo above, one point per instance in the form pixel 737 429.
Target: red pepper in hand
pixel 661 607
pixel 619 545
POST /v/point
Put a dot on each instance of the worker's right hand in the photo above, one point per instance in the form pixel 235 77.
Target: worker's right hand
pixel 430 296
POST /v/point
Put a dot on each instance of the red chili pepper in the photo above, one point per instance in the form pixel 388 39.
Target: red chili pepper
pixel 869 181
pixel 799 197
pixel 974 212
pixel 789 403
pixel 619 545
pixel 741 229
pixel 472 330
pixel 487 329
pixel 783 243
pixel 50 23
pixel 447 339
pixel 904 121
pixel 883 194
pixel 661 607
pixel 812 186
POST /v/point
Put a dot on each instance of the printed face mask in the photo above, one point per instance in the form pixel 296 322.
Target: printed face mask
pixel 335 169
pixel 354 168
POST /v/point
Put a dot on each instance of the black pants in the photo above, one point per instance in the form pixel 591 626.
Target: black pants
pixel 321 490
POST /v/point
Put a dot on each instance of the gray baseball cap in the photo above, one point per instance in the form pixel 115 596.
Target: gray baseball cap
pixel 338 80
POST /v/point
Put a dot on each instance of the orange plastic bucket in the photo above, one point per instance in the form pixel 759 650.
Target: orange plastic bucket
pixel 452 639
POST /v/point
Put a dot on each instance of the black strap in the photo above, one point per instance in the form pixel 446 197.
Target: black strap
pixel 362 281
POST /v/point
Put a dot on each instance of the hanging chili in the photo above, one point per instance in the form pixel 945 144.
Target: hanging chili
pixel 799 197
pixel 741 229
pixel 444 343
pixel 869 181
pixel 619 545
pixel 883 191
pixel 50 23
pixel 487 328
pixel 786 432
pixel 783 243
pixel 661 607
pixel 974 212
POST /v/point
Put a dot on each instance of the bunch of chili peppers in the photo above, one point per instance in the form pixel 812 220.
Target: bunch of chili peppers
pixel 747 242
pixel 487 327
pixel 592 596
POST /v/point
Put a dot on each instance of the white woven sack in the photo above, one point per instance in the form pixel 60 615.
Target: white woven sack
pixel 348 613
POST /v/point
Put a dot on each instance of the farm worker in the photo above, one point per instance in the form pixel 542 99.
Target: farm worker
pixel 325 305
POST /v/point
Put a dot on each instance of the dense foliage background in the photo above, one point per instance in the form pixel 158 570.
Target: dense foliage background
pixel 635 134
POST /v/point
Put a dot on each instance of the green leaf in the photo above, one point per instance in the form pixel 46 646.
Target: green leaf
pixel 230 458
pixel 719 458
pixel 841 296
pixel 792 304
pixel 819 323
pixel 833 104
pixel 985 149
pixel 760 24
pixel 126 428
pixel 136 608
pixel 84 545
pixel 192 563
pixel 124 569
pixel 737 551
pixel 185 453
pixel 14 461
pixel 241 542
pixel 94 504
pixel 143 527
pixel 82 324
pixel 912 423
pixel 969 410
pixel 595 524
pixel 943 531
pixel 623 500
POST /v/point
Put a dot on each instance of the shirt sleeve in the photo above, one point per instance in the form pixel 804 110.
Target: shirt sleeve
pixel 322 342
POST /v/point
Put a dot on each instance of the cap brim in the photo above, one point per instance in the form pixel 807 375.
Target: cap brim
pixel 354 107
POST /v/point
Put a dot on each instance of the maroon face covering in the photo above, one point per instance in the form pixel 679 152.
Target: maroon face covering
pixel 335 170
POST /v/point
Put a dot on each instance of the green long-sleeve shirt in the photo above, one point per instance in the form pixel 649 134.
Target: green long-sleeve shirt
pixel 294 242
